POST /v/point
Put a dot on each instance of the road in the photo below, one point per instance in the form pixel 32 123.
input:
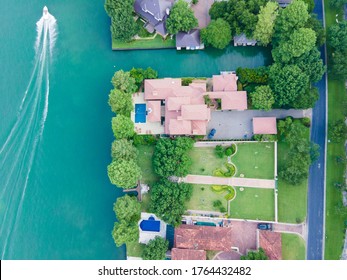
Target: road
pixel 316 180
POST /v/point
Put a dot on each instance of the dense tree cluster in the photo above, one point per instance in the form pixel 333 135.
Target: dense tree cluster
pixel 139 75
pixel 263 98
pixel 168 200
pixel 155 249
pixel 337 40
pixel 122 127
pixel 217 34
pixel 123 26
pixel 171 157
pixel 337 131
pixel 128 211
pixel 123 149
pixel 120 102
pixel 181 18
pixel 301 154
pixel 337 4
pixel 124 173
pixel 124 81
pixel 242 15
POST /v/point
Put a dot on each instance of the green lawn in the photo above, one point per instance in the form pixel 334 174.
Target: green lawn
pixel 335 228
pixel 254 204
pixel 255 160
pixel 134 249
pixel 292 200
pixel 203 197
pixel 293 247
pixel 157 43
pixel 145 163
pixel 205 161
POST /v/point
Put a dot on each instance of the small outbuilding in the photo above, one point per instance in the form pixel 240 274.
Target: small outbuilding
pixel 264 125
pixel 242 40
pixel 188 40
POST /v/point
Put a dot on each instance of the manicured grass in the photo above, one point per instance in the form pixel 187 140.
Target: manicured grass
pixel 157 43
pixel 293 247
pixel 292 200
pixel 205 161
pixel 203 197
pixel 145 163
pixel 134 249
pixel 334 229
pixel 253 204
pixel 255 160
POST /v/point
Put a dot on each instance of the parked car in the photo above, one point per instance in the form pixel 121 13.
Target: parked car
pixel 211 134
pixel 265 226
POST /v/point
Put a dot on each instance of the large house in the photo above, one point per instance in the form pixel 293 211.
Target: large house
pixel 168 107
pixel 155 13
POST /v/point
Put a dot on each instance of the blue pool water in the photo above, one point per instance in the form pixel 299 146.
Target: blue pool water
pixel 150 225
pixel 140 113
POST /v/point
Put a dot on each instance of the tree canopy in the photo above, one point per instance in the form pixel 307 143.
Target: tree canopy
pixel 181 18
pixel 288 83
pixel 255 255
pixel 140 74
pixel 155 249
pixel 266 22
pixel 337 3
pixel 337 131
pixel 123 233
pixel 337 39
pixel 122 127
pixel 293 17
pixel 127 209
pixel 124 174
pixel 120 102
pixel 123 149
pixel 217 34
pixel 168 200
pixel 123 81
pixel 299 42
pixel 241 15
pixel 170 157
pixel 123 26
pixel 263 98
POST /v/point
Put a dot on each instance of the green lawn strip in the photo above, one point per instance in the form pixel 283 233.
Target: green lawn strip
pixel 134 249
pixel 293 247
pixel 253 204
pixel 292 200
pixel 334 229
pixel 156 43
pixel 145 163
pixel 146 199
pixel 203 198
pixel 255 160
pixel 205 161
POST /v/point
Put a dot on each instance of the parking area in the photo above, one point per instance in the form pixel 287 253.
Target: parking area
pixel 238 124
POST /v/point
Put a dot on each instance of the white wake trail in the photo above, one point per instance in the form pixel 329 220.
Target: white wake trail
pixel 18 152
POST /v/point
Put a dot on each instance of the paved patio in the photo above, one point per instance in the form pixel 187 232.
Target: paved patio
pixel 201 12
pixel 238 124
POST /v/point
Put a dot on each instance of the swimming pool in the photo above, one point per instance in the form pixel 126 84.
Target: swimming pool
pixel 150 225
pixel 140 113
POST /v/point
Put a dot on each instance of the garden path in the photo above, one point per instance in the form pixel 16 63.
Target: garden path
pixel 233 181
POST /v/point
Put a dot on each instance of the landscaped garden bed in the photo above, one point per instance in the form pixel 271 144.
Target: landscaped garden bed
pixel 210 198
pixel 253 204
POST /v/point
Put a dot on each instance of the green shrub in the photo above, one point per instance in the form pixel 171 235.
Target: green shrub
pixel 306 121
pixel 222 209
pixel 218 172
pixel 228 151
pixel 144 140
pixel 218 189
pixel 217 203
pixel 187 81
pixel 219 151
pixel 258 75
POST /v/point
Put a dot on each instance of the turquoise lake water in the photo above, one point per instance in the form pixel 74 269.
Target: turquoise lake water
pixel 55 197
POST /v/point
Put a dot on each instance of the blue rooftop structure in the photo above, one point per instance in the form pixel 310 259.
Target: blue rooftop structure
pixel 150 225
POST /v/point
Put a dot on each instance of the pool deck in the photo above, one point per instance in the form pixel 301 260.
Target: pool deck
pixel 146 127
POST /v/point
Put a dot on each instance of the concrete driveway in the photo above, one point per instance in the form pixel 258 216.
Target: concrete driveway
pixel 238 124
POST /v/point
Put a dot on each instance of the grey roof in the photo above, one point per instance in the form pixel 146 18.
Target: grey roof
pixel 243 40
pixel 154 11
pixel 284 3
pixel 188 39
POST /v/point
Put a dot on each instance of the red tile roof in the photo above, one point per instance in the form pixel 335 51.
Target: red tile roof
pixel 203 238
pixel 231 100
pixel 154 111
pixel 271 242
pixel 187 254
pixel 264 125
pixel 225 82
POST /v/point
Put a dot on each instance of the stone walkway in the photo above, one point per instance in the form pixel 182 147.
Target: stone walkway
pixel 233 181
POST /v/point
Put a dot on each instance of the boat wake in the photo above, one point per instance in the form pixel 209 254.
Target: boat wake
pixel 18 151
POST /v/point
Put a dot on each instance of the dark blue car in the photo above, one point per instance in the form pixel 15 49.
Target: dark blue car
pixel 211 134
